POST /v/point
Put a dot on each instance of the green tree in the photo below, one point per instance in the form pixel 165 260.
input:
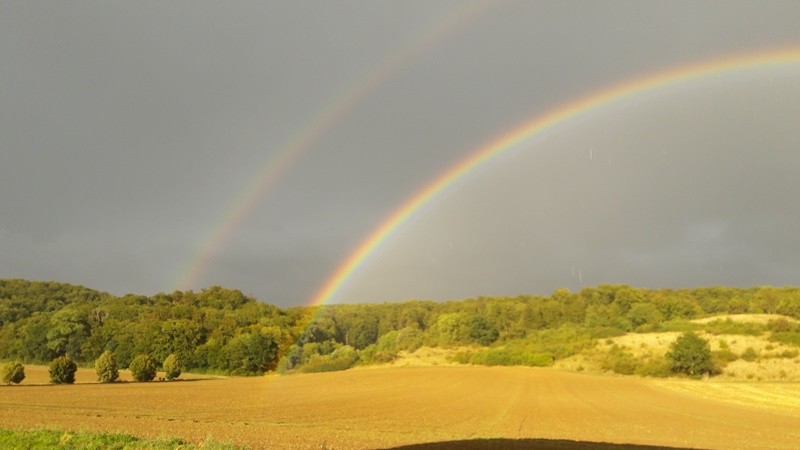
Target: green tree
pixel 34 339
pixel 62 370
pixel 250 354
pixel 409 338
pixel 691 355
pixel 453 329
pixel 143 368
pixel 13 373
pixel 644 313
pixel 172 367
pixel 180 337
pixel 68 329
pixel 481 331
pixel 106 368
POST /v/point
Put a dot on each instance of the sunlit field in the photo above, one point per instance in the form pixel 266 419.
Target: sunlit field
pixel 391 407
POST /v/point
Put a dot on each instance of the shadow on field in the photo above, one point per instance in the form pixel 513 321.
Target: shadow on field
pixel 534 444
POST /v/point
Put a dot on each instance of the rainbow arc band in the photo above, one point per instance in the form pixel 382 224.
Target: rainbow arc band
pixel 282 159
pixel 529 129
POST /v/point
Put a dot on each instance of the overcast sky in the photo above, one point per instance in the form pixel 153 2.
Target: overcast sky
pixel 129 131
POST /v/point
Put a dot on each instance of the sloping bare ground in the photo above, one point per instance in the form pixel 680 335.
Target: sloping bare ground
pixel 383 408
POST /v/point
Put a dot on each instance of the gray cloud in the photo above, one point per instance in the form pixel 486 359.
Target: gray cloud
pixel 128 131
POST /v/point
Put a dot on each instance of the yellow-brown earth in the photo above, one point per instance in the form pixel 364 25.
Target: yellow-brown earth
pixel 388 407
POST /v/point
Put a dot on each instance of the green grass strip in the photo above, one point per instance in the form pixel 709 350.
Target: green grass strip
pixel 68 440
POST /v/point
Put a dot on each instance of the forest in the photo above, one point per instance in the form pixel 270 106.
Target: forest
pixel 219 330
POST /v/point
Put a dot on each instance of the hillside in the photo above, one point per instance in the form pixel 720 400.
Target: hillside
pixel 606 328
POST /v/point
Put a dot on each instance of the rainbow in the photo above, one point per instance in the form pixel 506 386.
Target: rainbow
pixel 528 129
pixel 278 163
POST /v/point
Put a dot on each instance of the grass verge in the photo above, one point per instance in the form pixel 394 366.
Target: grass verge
pixel 55 439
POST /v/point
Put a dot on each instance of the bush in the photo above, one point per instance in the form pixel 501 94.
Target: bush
pixel 292 359
pixel 654 367
pixel 678 325
pixel 13 373
pixel 619 361
pixel 607 332
pixel 143 368
pixel 728 326
pixel 326 363
pixel 172 367
pixel 106 368
pixel 691 355
pixel 786 337
pixel 62 370
pixel 372 355
pixel 749 354
pixel 409 338
pixel 781 325
pixel 504 356
pixel 723 357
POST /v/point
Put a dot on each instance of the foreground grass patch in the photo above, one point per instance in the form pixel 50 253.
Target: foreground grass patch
pixel 26 439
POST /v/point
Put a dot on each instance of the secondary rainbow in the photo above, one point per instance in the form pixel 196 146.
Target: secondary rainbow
pixel 527 130
pixel 278 163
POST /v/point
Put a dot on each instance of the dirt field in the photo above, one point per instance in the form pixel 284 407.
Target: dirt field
pixel 384 408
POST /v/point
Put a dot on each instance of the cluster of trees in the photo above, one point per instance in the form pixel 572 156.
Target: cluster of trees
pixel 62 369
pixel 223 330
pixel 214 330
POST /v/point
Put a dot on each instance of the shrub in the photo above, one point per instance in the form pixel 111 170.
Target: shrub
pixel 325 363
pixel 607 332
pixel 678 325
pixel 789 354
pixel 728 326
pixel 13 373
pixel 371 355
pixel 780 325
pixel 292 359
pixel 172 367
pixel 723 356
pixel 143 368
pixel 619 361
pixel 786 337
pixel 691 355
pixel 654 367
pixel 506 356
pixel 62 370
pixel 106 368
pixel 409 338
pixel 749 354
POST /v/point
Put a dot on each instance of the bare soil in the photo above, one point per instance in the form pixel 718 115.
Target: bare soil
pixel 469 407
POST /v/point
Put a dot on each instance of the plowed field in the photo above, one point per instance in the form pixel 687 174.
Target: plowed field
pixel 383 408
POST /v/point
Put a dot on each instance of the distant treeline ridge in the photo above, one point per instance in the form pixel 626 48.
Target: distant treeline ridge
pixel 223 330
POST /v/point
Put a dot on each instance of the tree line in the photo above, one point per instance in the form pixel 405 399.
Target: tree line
pixel 222 330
